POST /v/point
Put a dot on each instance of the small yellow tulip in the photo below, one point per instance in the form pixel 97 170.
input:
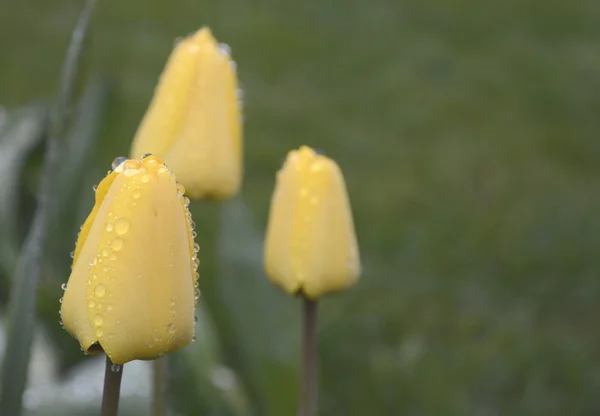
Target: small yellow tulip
pixel 311 245
pixel 131 290
pixel 194 121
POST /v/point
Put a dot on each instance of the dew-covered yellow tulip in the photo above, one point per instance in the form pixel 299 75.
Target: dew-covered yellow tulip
pixel 194 121
pixel 311 245
pixel 131 292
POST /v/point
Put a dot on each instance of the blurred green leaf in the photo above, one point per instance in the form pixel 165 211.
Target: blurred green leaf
pixel 265 320
pixel 19 134
pixel 201 383
pixel 29 266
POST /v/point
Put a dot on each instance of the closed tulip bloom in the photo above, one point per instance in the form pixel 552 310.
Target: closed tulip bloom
pixel 194 121
pixel 131 292
pixel 311 245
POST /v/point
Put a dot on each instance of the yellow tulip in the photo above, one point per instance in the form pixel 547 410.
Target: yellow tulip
pixel 194 121
pixel 131 292
pixel 311 245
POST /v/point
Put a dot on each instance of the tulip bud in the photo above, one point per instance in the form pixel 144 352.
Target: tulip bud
pixel 194 121
pixel 311 245
pixel 131 290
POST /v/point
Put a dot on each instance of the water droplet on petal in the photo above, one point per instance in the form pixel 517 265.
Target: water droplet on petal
pixel 118 161
pixel 115 368
pixel 225 49
pixel 121 226
pixel 109 308
pixel 105 253
pixel 100 290
pixel 91 303
pixel 171 328
pixel 61 300
pixel 194 338
pixel 97 320
pixel 136 194
pixel 195 319
pixel 144 178
pixel 109 227
pixel 99 332
pixel 116 244
pixel 72 254
pixel 63 286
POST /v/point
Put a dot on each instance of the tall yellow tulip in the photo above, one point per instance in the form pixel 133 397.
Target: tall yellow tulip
pixel 311 244
pixel 131 290
pixel 194 121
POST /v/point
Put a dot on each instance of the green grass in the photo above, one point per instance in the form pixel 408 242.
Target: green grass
pixel 468 134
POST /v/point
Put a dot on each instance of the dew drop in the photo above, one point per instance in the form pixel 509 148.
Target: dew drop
pixel 109 227
pixel 113 257
pixel 144 179
pixel 194 234
pixel 171 328
pixel 180 189
pixel 186 201
pixel 116 244
pixel 99 332
pixel 136 194
pixel 115 368
pixel 121 226
pixel 131 172
pixel 100 290
pixel 91 303
pixel 196 248
pixel 94 276
pixel 225 49
pixel 97 320
pixel 109 308
pixel 95 188
pixel 196 284
pixel 63 286
pixel 61 300
pixel 197 294
pixel 118 161
pixel 72 254
pixel 61 324
pixel 195 319
pixel 105 253
pixel 194 338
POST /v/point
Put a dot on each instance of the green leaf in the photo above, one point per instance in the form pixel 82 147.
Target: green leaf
pixel 29 266
pixel 201 383
pixel 261 315
pixel 20 133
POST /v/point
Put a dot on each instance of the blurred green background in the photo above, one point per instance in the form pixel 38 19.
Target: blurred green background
pixel 468 135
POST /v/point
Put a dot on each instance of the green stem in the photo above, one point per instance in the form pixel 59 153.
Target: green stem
pixel 159 402
pixel 308 381
pixel 112 389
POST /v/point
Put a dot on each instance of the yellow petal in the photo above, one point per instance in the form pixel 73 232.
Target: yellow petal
pixel 131 289
pixel 311 243
pixel 194 121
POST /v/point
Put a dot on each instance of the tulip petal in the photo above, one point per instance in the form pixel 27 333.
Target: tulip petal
pixel 162 122
pixel 74 308
pixel 207 154
pixel 131 291
pixel 311 245
pixel 194 121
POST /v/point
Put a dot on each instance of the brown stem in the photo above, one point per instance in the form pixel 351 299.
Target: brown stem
pixel 112 388
pixel 308 381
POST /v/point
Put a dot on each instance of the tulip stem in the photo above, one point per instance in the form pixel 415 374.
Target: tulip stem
pixel 159 402
pixel 308 381
pixel 112 388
